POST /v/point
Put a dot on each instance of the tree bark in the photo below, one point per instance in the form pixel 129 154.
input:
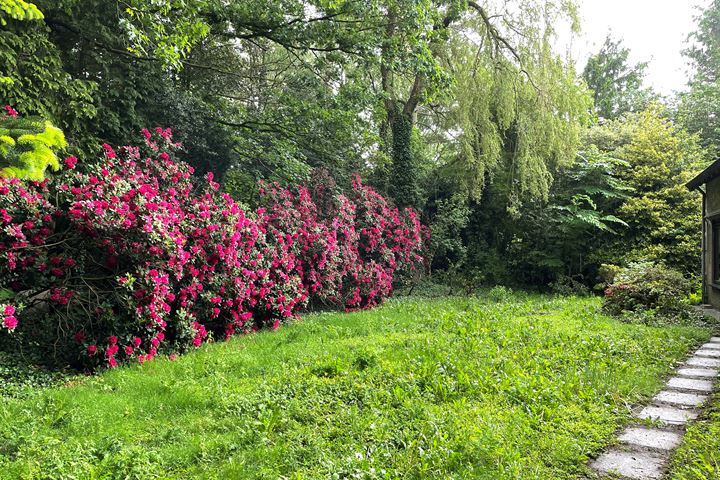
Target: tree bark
pixel 404 186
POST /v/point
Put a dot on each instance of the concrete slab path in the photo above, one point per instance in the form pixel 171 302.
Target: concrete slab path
pixel 643 451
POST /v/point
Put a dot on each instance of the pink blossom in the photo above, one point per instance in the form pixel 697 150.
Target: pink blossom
pixel 70 162
pixel 10 322
pixel 166 251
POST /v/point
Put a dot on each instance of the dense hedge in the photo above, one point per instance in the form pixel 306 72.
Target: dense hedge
pixel 125 258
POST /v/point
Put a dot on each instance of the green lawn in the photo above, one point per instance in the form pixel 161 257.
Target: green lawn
pixel 453 388
pixel 698 458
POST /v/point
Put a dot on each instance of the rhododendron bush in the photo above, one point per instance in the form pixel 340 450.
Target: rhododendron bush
pixel 126 258
pixel 349 246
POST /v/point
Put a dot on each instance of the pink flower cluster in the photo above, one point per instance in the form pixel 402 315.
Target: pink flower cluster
pixel 8 314
pixel 10 111
pixel 349 246
pixel 128 258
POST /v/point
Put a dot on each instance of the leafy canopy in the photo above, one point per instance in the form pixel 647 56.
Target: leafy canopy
pixel 699 108
pixel 617 85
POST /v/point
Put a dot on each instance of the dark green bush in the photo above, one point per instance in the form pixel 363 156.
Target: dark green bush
pixel 649 290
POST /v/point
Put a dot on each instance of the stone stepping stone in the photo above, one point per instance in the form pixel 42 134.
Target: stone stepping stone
pixel 679 398
pixel 646 449
pixel 635 465
pixel 698 372
pixel 691 384
pixel 650 438
pixel 667 415
pixel 704 352
pixel 703 362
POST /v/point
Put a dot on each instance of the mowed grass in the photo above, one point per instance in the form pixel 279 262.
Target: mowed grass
pixel 457 388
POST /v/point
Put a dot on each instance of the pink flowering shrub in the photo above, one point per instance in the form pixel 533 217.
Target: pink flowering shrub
pixel 126 258
pixel 129 257
pixel 349 247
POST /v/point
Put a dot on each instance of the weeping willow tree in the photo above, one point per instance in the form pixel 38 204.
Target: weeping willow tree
pixel 517 108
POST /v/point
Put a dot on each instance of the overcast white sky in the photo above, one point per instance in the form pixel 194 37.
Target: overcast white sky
pixel 655 31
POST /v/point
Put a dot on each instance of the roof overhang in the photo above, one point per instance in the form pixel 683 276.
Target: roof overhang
pixel 711 172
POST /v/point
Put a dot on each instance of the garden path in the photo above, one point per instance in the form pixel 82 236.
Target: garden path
pixel 643 451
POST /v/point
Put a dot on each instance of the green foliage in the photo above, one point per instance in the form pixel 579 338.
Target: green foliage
pixel 28 147
pixel 404 178
pixel 523 387
pixel 663 217
pixel 207 145
pixel 33 80
pixel 499 293
pixel 514 118
pixel 617 86
pixel 500 137
pixel 585 192
pixel 555 238
pixel 20 375
pixel 166 29
pixel 553 241
pixel 81 68
pixel 447 248
pixel 565 285
pixel 698 107
pixel 646 288
pixel 241 186
pixel 18 10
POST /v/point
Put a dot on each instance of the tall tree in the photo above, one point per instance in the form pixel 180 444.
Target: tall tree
pixel 663 216
pixel 616 84
pixel 510 48
pixel 699 108
pixel 276 87
pixel 252 84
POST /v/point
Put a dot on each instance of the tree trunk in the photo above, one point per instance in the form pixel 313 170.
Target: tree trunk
pixel 404 186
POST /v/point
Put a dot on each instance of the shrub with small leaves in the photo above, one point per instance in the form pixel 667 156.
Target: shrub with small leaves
pixel 648 288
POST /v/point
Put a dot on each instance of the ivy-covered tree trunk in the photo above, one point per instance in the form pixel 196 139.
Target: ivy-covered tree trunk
pixel 404 186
